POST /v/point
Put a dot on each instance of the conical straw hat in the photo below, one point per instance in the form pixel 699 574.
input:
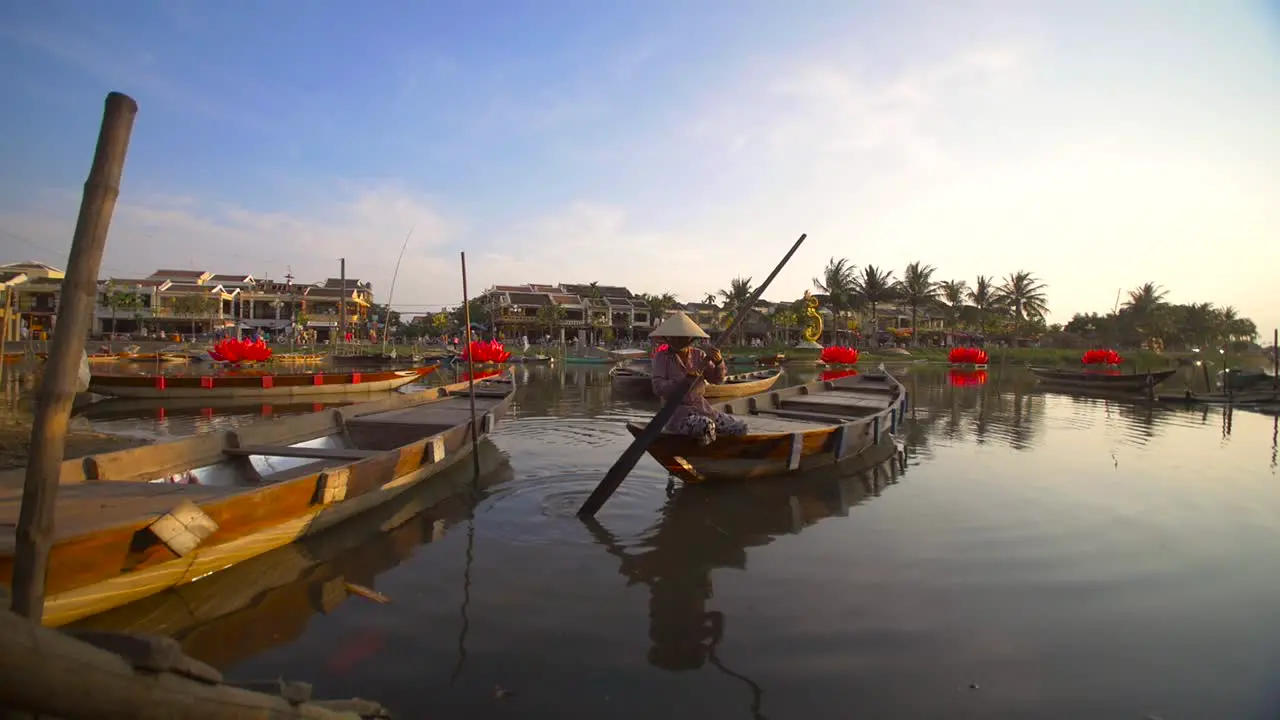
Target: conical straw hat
pixel 677 325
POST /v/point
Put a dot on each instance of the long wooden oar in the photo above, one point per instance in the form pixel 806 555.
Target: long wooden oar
pixel 627 461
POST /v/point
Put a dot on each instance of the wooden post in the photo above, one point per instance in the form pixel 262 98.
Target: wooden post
pixel 471 370
pixel 1275 359
pixel 57 387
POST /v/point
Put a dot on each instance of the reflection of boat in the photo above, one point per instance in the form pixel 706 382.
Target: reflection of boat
pixel 254 384
pixel 267 601
pixel 135 522
pixel 703 529
pixel 791 430
pixel 1108 381
pixel 298 357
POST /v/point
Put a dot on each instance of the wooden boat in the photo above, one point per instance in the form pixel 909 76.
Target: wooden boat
pixel 745 384
pixel 1102 380
pixel 132 408
pixel 268 601
pixel 299 357
pixel 572 360
pixel 255 385
pixel 796 429
pixel 532 359
pixel 1236 379
pixel 638 378
pixel 135 522
pixel 628 354
pixel 758 360
pixel 156 357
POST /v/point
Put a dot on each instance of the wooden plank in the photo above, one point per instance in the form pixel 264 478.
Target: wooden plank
pixel 305 452
pixel 183 528
pixel 837 402
pixel 817 418
pixel 842 440
pixel 797 451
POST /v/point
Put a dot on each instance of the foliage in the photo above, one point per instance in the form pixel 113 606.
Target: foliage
pixel 875 287
pixel 918 290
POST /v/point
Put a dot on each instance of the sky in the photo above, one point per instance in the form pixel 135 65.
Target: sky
pixel 665 146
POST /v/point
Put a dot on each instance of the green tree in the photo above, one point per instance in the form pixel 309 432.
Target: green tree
pixel 1023 295
pixel 918 290
pixel 735 296
pixel 953 293
pixel 875 287
pixel 983 297
pixel 838 284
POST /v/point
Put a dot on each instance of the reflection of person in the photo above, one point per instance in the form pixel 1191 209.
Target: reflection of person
pixel 681 360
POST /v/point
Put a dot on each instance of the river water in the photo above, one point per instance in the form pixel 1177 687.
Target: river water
pixel 1038 555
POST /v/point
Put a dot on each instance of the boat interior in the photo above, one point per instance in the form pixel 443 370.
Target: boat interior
pixel 125 485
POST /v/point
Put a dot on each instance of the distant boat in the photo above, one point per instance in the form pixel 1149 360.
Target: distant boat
pixel 1113 381
pixel 254 384
pixel 640 379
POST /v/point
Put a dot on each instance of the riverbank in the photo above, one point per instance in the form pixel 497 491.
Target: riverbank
pixel 15 441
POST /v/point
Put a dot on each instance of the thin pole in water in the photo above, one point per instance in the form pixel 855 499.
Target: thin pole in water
pixel 471 370
pixel 386 325
pixel 57 388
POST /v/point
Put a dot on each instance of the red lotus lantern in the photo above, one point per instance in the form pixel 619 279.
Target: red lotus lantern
pixel 837 374
pixel 967 378
pixel 490 351
pixel 1105 356
pixel 240 351
pixel 967 356
pixel 839 355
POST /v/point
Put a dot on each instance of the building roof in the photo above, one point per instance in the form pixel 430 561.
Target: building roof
pixel 701 307
pixel 352 283
pixel 146 282
pixel 535 299
pixel 32 265
pixel 561 299
pixel 513 288
pixel 187 289
pixel 237 278
pixel 11 276
pixel 584 290
pixel 174 274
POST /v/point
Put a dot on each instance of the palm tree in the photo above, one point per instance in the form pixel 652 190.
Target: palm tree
pixel 953 294
pixel 875 286
pixel 1200 320
pixel 1024 295
pixel 1144 304
pixel 659 305
pixel 837 284
pixel 739 292
pixel 918 289
pixel 711 299
pixel 983 296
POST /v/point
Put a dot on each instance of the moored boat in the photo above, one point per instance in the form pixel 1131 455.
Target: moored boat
pixel 254 384
pixel 639 378
pixel 1111 381
pixel 135 522
pixel 792 430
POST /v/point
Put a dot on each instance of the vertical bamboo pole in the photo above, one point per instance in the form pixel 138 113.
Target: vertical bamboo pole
pixel 1275 359
pixel 4 331
pixel 57 387
pixel 471 370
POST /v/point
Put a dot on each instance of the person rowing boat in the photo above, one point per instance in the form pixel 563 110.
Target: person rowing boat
pixel 695 416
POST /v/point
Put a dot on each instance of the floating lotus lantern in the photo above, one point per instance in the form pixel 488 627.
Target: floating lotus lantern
pixel 837 374
pixel 838 355
pixel 967 378
pixel 1105 356
pixel 490 351
pixel 967 356
pixel 239 351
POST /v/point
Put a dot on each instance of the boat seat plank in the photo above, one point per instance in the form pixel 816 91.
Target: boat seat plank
pixel 758 424
pixel 815 417
pixel 854 403
pixel 293 451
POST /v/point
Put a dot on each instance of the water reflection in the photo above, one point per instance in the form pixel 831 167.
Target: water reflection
pixel 705 528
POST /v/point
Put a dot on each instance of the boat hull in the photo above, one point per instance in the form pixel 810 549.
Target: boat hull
pixel 253 386
pixel 95 571
pixel 796 430
pixel 1083 380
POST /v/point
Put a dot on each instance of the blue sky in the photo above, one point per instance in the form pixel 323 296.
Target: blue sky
pixel 662 145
